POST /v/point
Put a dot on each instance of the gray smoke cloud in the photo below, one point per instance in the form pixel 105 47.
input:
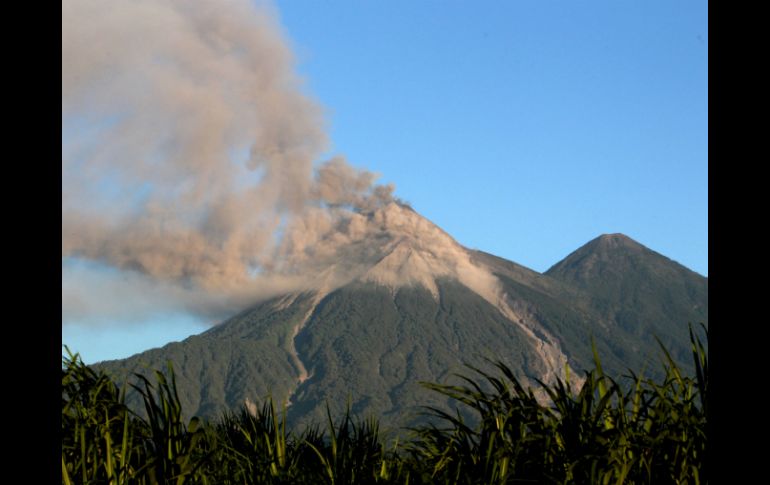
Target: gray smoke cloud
pixel 188 152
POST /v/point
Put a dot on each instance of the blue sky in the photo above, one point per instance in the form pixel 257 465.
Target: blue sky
pixel 525 128
pixel 522 128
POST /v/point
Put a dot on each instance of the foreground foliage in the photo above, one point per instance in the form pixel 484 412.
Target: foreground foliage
pixel 607 432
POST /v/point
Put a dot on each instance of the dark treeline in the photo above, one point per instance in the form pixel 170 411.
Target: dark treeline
pixel 635 430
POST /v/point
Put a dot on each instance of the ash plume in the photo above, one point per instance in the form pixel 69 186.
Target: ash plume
pixel 190 162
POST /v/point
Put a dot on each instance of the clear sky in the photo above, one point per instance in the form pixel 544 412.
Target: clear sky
pixel 522 128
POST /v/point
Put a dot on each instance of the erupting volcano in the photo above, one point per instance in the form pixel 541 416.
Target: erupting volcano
pixel 396 301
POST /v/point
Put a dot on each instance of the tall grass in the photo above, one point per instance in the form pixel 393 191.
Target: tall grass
pixel 103 441
pixel 635 430
pixel 654 432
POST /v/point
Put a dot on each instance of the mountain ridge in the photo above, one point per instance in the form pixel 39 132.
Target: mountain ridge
pixel 432 306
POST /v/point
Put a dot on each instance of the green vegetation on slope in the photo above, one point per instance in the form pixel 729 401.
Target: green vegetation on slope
pixel 655 432
pixel 222 367
pixel 373 347
pixel 639 294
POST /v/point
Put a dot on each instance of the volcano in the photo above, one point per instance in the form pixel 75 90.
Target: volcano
pixel 395 301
